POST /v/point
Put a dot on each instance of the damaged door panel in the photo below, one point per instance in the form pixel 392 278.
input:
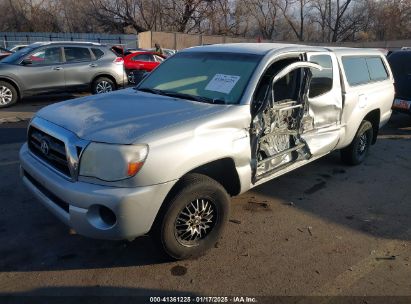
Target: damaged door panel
pixel 276 127
pixel 322 121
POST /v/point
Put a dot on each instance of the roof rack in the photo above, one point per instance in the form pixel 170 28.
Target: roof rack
pixel 67 42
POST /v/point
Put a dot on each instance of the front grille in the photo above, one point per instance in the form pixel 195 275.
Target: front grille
pixel 59 202
pixel 53 151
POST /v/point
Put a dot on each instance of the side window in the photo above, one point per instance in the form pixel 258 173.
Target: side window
pixel 77 54
pixel 51 55
pixel 142 57
pixel 322 81
pixel 286 88
pixel 281 90
pixel 376 68
pixel 97 53
pixel 356 70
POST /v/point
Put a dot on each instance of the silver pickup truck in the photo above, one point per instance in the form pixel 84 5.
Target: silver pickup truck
pixel 209 123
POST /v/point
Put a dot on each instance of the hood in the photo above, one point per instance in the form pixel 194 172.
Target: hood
pixel 123 116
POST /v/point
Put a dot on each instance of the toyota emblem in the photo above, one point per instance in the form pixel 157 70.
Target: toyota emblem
pixel 44 147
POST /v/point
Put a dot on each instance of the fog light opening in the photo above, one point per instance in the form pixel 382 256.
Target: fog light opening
pixel 107 216
pixel 101 217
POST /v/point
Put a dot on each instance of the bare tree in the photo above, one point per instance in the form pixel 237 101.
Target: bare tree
pixel 296 17
pixel 314 20
pixel 391 19
pixel 264 13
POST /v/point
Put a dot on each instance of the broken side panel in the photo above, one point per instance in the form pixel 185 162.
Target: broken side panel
pixel 277 127
pixel 279 143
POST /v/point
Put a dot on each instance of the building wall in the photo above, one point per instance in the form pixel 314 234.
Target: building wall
pixel 181 41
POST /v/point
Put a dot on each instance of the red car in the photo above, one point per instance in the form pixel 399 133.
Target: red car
pixel 4 53
pixel 141 61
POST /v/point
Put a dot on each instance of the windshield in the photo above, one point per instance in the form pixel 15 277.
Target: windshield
pixel 215 77
pixel 17 55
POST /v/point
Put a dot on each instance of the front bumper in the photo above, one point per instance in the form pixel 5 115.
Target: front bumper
pixel 75 203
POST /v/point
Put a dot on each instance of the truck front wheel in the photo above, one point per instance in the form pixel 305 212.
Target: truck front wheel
pixel 194 217
pixel 357 151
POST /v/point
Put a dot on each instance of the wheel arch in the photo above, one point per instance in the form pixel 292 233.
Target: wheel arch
pixel 14 84
pixel 224 172
pixel 374 118
pixel 109 76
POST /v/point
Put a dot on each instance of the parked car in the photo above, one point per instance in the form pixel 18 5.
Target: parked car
pixel 47 67
pixel 141 62
pixel 121 51
pixel 400 62
pixel 4 53
pixel 209 123
pixel 18 47
pixel 166 52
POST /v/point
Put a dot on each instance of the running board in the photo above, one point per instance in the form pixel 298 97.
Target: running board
pixel 287 169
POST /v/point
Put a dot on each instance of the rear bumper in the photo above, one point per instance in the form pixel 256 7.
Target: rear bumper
pixel 402 105
pixel 75 203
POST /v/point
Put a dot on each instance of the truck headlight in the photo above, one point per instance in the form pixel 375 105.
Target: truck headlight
pixel 111 162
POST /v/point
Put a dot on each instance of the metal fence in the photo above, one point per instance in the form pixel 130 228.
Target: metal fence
pixel 10 39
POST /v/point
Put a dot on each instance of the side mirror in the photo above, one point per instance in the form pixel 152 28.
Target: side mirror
pixel 27 61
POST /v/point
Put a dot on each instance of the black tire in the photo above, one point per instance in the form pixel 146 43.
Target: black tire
pixel 8 94
pixel 191 189
pixel 102 85
pixel 357 151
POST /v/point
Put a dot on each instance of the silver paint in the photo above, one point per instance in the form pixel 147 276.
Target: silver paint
pixel 183 135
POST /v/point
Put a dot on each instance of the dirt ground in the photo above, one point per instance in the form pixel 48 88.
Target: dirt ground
pixel 324 229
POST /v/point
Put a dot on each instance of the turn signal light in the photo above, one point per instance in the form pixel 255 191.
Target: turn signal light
pixel 133 168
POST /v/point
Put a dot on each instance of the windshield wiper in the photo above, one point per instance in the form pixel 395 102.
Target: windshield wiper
pixel 148 90
pixel 193 97
pixel 182 95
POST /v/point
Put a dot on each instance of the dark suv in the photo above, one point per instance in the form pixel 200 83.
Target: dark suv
pixel 46 67
pixel 400 62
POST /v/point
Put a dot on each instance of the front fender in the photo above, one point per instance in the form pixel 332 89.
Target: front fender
pixel 181 149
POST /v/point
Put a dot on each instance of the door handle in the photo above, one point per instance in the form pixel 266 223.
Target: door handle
pixel 93 65
pixel 57 68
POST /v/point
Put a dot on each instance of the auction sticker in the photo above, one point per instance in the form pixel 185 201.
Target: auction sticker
pixel 222 83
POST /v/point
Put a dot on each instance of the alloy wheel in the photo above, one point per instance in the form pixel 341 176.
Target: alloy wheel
pixel 131 78
pixel 195 222
pixel 6 95
pixel 362 144
pixel 104 87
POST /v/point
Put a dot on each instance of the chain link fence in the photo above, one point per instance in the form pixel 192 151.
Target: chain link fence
pixel 10 39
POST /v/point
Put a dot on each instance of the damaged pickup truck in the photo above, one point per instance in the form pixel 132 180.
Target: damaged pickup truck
pixel 209 123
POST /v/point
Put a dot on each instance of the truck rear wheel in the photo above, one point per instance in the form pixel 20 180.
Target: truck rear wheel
pixel 194 217
pixel 357 151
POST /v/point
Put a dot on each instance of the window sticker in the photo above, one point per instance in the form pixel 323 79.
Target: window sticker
pixel 222 83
